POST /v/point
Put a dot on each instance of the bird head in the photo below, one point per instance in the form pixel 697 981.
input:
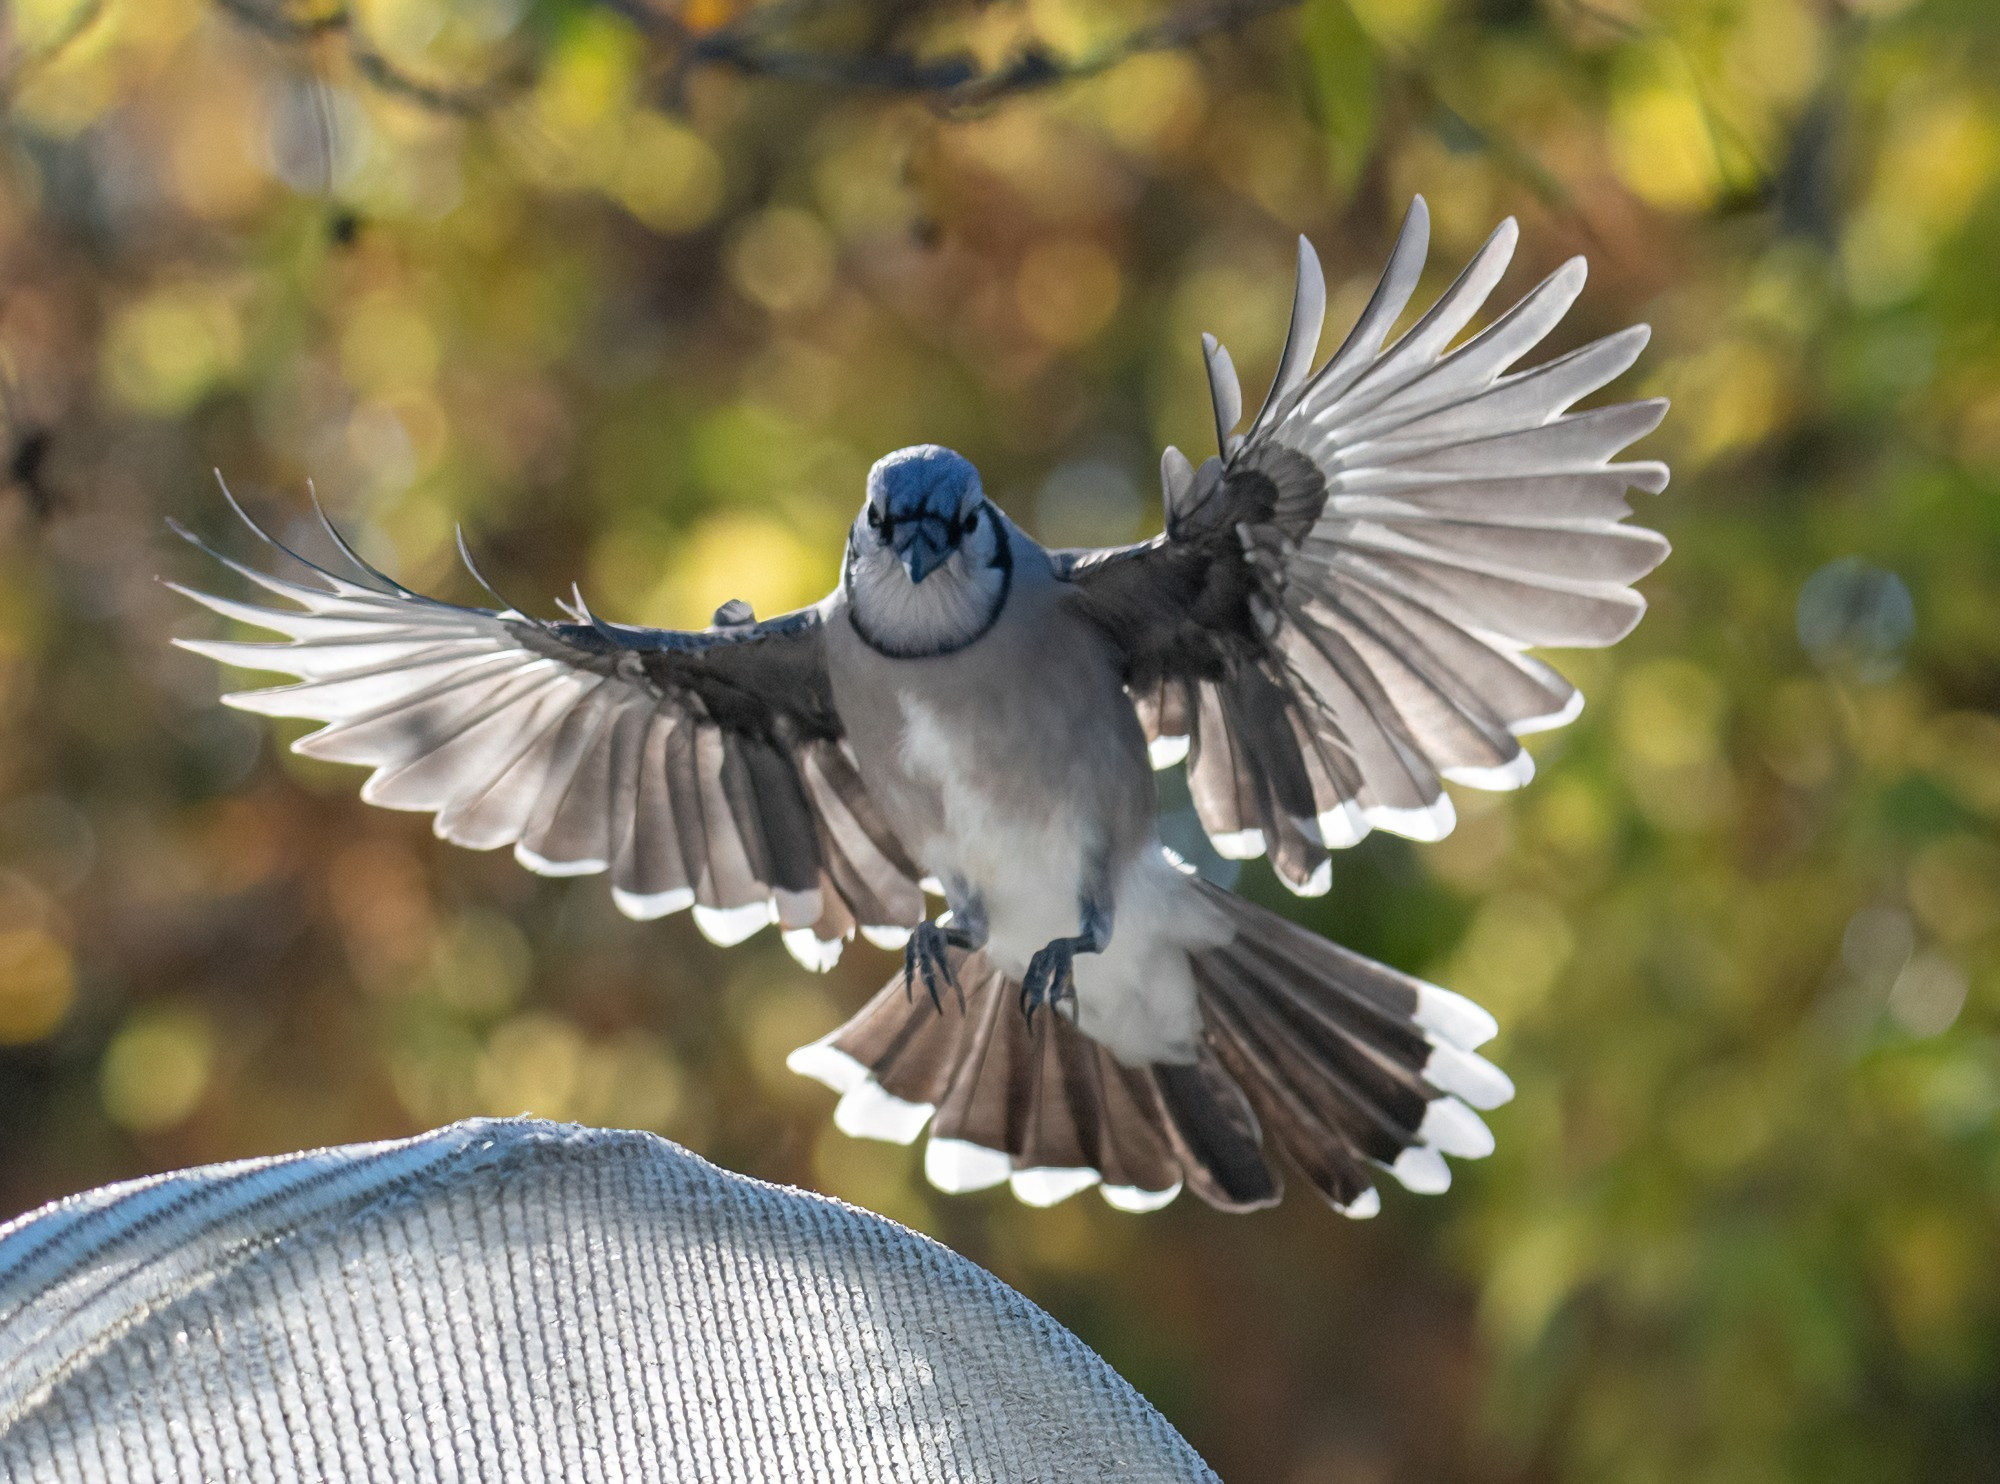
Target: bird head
pixel 923 503
pixel 928 561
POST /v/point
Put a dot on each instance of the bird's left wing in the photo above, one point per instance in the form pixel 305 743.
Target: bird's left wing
pixel 1335 619
pixel 704 769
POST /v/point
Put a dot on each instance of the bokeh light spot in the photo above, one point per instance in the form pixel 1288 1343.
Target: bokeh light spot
pixel 37 984
pixel 1928 995
pixel 1661 145
pixel 752 557
pixel 166 351
pixel 388 346
pixel 667 176
pixel 783 261
pixel 480 963
pixel 157 1068
pixel 1856 618
pixel 532 1064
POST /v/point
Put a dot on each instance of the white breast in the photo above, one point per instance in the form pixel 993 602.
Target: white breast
pixel 1025 858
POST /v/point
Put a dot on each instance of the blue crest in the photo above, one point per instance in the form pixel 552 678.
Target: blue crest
pixel 925 480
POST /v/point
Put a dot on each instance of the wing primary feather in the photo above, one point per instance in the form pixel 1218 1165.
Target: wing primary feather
pixel 1225 393
pixel 360 562
pixel 315 599
pixel 1392 294
pixel 1475 364
pixel 1301 340
pixel 1417 350
pixel 1176 484
pixel 505 608
pixel 341 584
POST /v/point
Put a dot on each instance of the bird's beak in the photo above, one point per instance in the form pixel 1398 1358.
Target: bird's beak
pixel 922 548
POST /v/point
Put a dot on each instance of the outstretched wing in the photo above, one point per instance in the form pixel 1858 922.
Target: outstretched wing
pixel 1335 617
pixel 701 769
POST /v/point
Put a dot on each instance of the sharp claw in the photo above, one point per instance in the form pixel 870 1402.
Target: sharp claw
pixel 1050 979
pixel 927 954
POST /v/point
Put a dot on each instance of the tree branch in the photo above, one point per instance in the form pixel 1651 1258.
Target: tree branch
pixel 754 46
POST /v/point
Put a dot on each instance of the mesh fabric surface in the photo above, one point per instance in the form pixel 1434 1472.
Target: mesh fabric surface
pixel 516 1300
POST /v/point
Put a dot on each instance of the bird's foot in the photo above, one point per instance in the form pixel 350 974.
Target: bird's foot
pixel 924 957
pixel 1050 979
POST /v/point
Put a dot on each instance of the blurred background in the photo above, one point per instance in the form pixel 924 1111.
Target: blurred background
pixel 637 289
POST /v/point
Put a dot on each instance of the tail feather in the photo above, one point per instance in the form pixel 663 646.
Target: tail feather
pixel 914 1057
pixel 987 1102
pixel 1346 1066
pixel 1138 1162
pixel 1212 1128
pixel 1312 1113
pixel 1369 1089
pixel 1312 1141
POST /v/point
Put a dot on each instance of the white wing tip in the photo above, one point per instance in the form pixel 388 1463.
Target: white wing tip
pixel 1048 1187
pixel 870 1111
pixel 541 865
pixel 239 655
pixel 1136 1200
pixel 1166 751
pixel 727 926
pixel 1363 1206
pixel 887 937
pixel 811 951
pixel 1433 821
pixel 1422 1170
pixel 1517 772
pixel 1343 826
pixel 1318 884
pixel 827 1064
pixel 1239 845
pixel 1452 1128
pixel 1461 1022
pixel 959 1167
pixel 646 906
pixel 1467 1075
pixel 1549 721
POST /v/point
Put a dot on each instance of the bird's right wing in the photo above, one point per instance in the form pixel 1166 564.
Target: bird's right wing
pixel 1336 619
pixel 703 769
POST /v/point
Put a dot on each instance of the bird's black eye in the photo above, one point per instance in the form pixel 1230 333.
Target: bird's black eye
pixel 874 517
pixel 972 522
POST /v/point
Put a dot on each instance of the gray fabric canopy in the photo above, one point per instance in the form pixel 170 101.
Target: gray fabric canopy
pixel 522 1301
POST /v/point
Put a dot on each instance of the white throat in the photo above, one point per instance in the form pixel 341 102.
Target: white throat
pixel 948 610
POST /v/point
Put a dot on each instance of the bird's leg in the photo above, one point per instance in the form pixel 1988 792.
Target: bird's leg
pixel 965 924
pixel 1051 977
pixel 962 927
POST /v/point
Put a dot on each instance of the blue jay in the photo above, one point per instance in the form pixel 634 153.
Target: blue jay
pixel 1332 624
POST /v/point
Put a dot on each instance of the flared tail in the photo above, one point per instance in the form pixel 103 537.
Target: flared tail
pixel 1347 1066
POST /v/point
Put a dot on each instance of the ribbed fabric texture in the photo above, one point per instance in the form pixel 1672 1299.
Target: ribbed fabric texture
pixel 523 1301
